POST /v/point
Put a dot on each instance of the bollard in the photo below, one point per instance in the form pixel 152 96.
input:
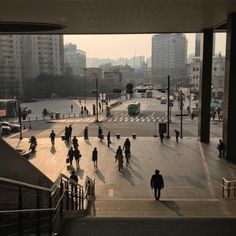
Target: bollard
pixel 30 126
pixel 118 136
pixel 134 135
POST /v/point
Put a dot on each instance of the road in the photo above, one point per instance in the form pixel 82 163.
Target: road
pixel 146 124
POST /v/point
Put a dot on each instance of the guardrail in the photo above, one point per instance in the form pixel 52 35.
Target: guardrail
pixel 228 189
pixel 26 208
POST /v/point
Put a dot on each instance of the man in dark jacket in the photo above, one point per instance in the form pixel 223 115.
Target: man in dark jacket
pixel 157 183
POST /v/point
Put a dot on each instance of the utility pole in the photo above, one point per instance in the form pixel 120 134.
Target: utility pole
pixel 96 98
pixel 168 108
pixel 19 113
pixel 181 114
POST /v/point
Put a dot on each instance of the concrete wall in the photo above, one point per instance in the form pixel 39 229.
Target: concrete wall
pixel 14 166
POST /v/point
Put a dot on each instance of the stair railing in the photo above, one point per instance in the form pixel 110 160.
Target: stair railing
pixel 228 189
pixel 30 208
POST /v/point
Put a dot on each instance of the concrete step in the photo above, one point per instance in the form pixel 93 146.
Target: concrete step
pixel 153 226
pixel 165 208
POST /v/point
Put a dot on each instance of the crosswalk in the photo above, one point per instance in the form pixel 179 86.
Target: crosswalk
pixel 136 119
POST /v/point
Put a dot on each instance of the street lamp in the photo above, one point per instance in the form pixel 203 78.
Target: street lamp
pixel 168 107
pixel 19 113
pixel 96 98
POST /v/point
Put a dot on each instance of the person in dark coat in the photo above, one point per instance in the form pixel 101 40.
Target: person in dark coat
pixel 177 135
pixel 52 137
pixel 95 157
pixel 66 135
pixel 221 148
pixel 157 183
pixel 127 145
pixel 108 138
pixel 86 133
pixel 100 133
pixel 73 186
pixel 119 158
pixel 161 136
pixel 70 132
pixel 77 156
pixel 75 142
pixel 70 155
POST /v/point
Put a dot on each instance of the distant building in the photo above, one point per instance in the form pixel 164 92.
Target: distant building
pixel 197 44
pixel 169 57
pixel 218 73
pixel 24 57
pixel 75 59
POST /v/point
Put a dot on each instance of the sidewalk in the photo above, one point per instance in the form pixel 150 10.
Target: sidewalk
pixel 192 173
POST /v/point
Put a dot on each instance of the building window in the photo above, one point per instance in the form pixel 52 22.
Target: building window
pixel 193 68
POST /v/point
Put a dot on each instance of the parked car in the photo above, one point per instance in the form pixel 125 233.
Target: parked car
pixel 158 97
pixel 13 127
pixel 5 130
pixel 163 101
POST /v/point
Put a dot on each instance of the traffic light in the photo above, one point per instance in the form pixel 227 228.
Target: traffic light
pixel 129 88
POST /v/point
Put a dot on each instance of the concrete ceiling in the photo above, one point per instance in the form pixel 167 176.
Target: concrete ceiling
pixel 119 16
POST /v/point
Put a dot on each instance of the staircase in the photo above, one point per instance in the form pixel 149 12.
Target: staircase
pixel 27 209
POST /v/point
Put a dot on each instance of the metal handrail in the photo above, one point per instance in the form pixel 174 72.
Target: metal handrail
pixel 228 188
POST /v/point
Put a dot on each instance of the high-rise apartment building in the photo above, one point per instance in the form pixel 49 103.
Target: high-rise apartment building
pixel 75 58
pixel 23 57
pixel 169 56
pixel 197 44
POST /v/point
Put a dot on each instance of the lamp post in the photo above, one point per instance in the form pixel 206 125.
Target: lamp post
pixel 168 107
pixel 96 98
pixel 85 85
pixel 19 113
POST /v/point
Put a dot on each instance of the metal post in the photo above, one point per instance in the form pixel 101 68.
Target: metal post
pixel 85 85
pixel 168 108
pixel 181 114
pixel 20 215
pixel 38 216
pixel 19 111
pixel 97 99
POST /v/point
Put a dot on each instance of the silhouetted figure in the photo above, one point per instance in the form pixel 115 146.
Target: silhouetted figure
pixel 70 155
pixel 52 137
pixel 100 133
pixel 74 177
pixel 67 135
pixel 75 142
pixel 95 157
pixel 73 186
pixel 77 156
pixel 86 133
pixel 157 183
pixel 71 107
pixel 177 135
pixel 100 106
pixel 70 132
pixel 221 148
pixel 108 138
pixel 82 111
pixel 161 136
pixel 192 116
pixel 127 144
pixel 119 158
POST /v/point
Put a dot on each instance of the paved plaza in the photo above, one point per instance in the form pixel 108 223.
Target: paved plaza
pixel 192 173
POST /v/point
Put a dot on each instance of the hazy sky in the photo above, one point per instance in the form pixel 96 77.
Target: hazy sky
pixel 127 45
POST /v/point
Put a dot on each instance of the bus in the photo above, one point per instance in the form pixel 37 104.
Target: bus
pixel 134 108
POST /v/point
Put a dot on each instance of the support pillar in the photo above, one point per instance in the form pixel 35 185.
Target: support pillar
pixel 229 120
pixel 205 85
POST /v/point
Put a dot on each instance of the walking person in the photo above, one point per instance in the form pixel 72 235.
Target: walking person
pixel 66 135
pixel 86 133
pixel 70 132
pixel 95 157
pixel 71 108
pixel 77 156
pixel 157 183
pixel 127 155
pixel 177 135
pixel 52 137
pixel 75 142
pixel 221 148
pixel 82 111
pixel 127 144
pixel 100 133
pixel 161 136
pixel 73 185
pixel 108 138
pixel 70 155
pixel 119 158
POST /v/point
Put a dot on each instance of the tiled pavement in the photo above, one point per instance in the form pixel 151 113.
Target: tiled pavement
pixel 192 172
